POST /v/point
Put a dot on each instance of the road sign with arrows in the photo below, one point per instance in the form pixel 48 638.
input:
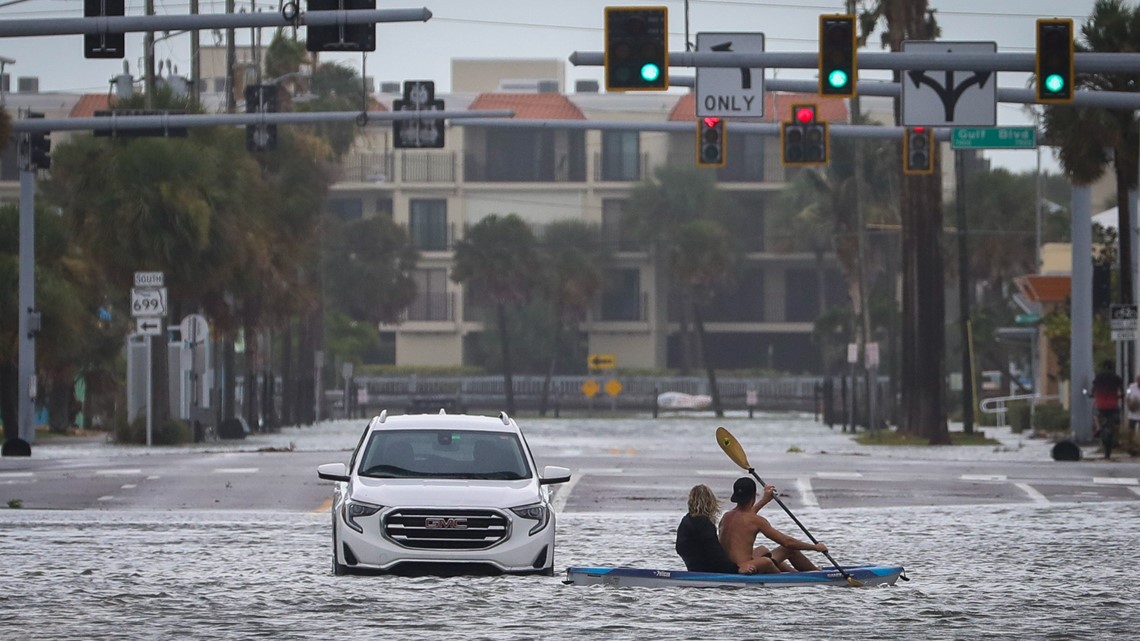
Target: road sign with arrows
pixel 602 361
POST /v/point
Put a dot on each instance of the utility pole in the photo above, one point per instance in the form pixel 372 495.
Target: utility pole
pixel 148 58
pixel 231 60
pixel 195 63
pixel 964 294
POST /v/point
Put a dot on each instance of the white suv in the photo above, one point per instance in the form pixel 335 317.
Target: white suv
pixel 442 494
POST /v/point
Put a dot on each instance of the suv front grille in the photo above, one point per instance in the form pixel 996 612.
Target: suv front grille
pixel 446 529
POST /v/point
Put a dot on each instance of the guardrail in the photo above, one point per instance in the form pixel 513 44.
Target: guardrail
pixel 997 404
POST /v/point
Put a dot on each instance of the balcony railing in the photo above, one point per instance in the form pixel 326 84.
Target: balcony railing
pixel 443 241
pixel 428 166
pixel 432 307
pixel 366 167
pixel 604 172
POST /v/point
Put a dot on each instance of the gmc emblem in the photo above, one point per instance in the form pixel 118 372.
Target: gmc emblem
pixel 438 523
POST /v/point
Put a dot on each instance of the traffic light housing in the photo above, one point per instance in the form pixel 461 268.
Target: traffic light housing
pixel 39 147
pixel 343 37
pixel 918 151
pixel 1054 60
pixel 710 142
pixel 804 140
pixel 637 49
pixel 104 45
pixel 837 46
pixel 261 99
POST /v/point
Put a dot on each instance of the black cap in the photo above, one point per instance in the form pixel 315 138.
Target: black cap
pixel 743 489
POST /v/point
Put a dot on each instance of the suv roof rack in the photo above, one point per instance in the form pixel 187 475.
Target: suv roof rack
pixel 442 411
pixel 504 418
pixel 383 415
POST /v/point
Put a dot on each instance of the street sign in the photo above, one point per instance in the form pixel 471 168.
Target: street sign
pixel 1123 322
pixel 148 301
pixel 724 91
pixel 852 353
pixel 590 388
pixel 419 95
pixel 149 279
pixel 601 361
pixel 195 329
pixel 613 387
pixel 149 326
pixel 872 354
pixel 994 138
pixel 949 98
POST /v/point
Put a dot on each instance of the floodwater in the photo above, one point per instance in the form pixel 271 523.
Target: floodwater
pixel 1023 571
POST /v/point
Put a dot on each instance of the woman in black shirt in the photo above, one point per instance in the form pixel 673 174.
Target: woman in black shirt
pixel 697 542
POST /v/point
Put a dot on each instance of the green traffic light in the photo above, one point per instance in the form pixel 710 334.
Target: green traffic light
pixel 837 78
pixel 1054 83
pixel 650 72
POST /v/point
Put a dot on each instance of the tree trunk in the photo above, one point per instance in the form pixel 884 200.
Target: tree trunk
pixel 290 393
pixel 714 389
pixel 59 394
pixel 545 399
pixel 508 381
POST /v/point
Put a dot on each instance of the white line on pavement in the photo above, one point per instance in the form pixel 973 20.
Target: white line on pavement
pixel 129 486
pixel 563 493
pixel 983 477
pixel 807 496
pixel 838 475
pixel 9 475
pixel 118 472
pixel 235 470
pixel 1135 489
pixel 107 497
pixel 1112 480
pixel 1036 496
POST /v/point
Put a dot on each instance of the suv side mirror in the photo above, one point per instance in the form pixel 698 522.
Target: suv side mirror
pixel 552 474
pixel 333 472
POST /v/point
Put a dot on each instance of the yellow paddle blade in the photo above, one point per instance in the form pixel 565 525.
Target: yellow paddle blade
pixel 731 446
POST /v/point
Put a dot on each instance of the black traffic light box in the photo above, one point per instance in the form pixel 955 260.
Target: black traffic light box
pixel 918 151
pixel 1054 60
pixel 710 142
pixel 837 68
pixel 39 147
pixel 344 37
pixel 261 99
pixel 104 45
pixel 637 48
pixel 804 141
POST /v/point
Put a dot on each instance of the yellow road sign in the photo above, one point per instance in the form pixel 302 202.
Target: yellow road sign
pixel 613 387
pixel 591 388
pixel 602 361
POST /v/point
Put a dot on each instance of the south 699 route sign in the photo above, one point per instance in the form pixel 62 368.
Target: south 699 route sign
pixel 148 301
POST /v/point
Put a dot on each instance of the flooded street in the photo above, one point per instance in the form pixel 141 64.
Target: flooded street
pixel 1021 569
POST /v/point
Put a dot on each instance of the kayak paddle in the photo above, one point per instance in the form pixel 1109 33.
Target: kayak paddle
pixel 732 448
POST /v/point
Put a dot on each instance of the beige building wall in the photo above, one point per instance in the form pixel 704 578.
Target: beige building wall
pixel 482 75
pixel 431 349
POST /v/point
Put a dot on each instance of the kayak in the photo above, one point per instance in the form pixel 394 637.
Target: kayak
pixel 868 575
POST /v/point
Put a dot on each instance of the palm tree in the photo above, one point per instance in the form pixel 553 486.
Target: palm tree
pixel 497 259
pixel 923 333
pixel 577 260
pixel 1087 139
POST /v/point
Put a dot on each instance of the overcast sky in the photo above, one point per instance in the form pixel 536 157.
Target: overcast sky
pixel 531 29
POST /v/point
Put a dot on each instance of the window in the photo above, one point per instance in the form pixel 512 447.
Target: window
pixel 433 302
pixel 621 156
pixel 621 295
pixel 427 223
pixel 802 298
pixel 613 226
pixel 346 208
pixel 384 207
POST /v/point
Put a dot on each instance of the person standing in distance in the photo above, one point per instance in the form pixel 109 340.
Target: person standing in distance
pixel 1107 390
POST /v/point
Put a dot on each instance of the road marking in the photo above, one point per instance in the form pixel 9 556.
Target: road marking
pixel 118 472
pixel 602 471
pixel 838 475
pixel 235 470
pixel 153 478
pixel 807 496
pixel 108 497
pixel 984 477
pixel 558 504
pixel 1112 480
pixel 129 486
pixel 717 473
pixel 1034 495
pixel 1135 490
pixel 327 505
pixel 9 475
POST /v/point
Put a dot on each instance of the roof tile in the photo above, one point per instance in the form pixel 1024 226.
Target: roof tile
pixel 530 106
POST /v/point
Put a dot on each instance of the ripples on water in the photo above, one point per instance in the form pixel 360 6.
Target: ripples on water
pixel 989 572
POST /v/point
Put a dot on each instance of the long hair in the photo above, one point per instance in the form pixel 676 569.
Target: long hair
pixel 702 502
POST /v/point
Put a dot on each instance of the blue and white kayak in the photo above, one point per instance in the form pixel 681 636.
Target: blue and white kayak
pixel 868 575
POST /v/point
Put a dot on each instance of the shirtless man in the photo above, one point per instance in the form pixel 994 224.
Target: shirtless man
pixel 740 525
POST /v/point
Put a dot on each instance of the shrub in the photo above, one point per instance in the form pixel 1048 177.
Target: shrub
pixel 1051 417
pixel 170 432
pixel 1017 417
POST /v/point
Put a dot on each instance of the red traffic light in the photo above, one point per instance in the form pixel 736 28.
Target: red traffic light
pixel 711 122
pixel 804 114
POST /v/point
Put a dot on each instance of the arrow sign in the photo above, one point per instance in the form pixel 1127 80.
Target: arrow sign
pixel 949 98
pixel 150 326
pixel 728 92
pixel 602 361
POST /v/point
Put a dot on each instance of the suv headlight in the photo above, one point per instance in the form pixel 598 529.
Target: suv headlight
pixel 353 510
pixel 535 512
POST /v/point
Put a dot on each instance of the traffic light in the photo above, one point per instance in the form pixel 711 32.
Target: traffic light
pixel 637 50
pixel 1054 60
pixel 104 45
pixel 710 142
pixel 261 99
pixel 837 70
pixel 803 140
pixel 341 37
pixel 918 151
pixel 39 147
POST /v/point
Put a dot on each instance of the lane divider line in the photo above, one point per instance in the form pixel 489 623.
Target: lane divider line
pixel 108 497
pixel 807 496
pixel 838 475
pixel 1113 480
pixel 1033 494
pixel 326 506
pixel 129 486
pixel 235 470
pixel 119 472
pixel 558 503
pixel 984 477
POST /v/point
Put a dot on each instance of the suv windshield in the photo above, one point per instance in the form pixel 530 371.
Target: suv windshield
pixel 450 454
